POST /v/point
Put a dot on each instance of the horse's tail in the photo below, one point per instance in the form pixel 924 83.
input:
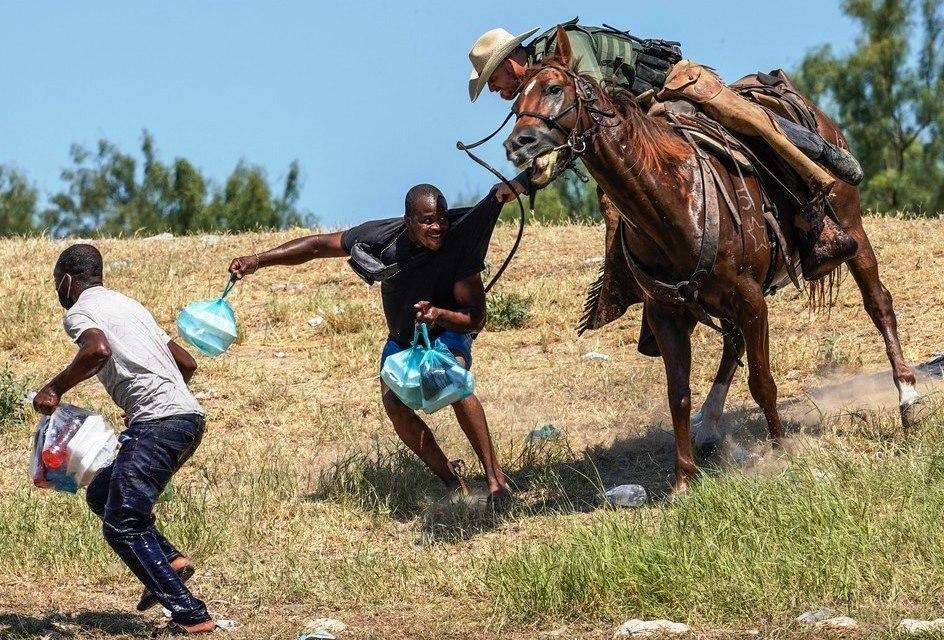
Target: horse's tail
pixel 823 293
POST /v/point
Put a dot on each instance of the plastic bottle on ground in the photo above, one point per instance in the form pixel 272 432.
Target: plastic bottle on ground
pixel 627 495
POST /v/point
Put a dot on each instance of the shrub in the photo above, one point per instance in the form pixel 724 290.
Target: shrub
pixel 508 310
pixel 13 411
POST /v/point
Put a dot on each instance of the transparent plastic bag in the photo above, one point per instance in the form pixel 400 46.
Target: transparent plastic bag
pixel 401 372
pixel 442 379
pixel 69 448
pixel 427 376
pixel 209 325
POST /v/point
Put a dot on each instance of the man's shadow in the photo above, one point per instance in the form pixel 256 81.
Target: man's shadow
pixel 15 626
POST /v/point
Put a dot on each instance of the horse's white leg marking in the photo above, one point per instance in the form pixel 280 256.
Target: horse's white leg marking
pixel 706 424
pixel 907 394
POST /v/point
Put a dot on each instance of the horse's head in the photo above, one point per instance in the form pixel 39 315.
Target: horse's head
pixel 550 116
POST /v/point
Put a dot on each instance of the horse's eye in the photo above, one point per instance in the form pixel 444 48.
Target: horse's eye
pixel 555 90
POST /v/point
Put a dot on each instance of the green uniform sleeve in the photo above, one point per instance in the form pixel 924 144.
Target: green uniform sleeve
pixel 584 61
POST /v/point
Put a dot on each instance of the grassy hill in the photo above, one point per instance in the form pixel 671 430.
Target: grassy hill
pixel 299 504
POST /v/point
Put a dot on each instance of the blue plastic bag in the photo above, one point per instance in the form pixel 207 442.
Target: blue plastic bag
pixel 209 325
pixel 426 376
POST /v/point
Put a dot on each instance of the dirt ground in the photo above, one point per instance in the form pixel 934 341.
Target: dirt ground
pixel 291 399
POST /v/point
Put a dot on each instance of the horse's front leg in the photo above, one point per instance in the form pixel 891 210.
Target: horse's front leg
pixel 673 331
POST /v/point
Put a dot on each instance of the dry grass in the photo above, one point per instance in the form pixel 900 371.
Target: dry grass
pixel 300 505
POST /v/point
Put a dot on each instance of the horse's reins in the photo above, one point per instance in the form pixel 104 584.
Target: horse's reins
pixel 521 221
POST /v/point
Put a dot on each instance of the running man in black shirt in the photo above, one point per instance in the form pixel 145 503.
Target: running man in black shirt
pixel 441 253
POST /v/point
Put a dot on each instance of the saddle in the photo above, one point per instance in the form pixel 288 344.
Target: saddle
pixel 609 296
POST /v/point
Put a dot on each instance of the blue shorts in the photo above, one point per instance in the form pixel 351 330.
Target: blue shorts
pixel 460 344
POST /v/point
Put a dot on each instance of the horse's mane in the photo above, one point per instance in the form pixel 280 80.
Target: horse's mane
pixel 654 144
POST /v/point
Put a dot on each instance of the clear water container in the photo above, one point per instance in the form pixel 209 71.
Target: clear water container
pixel 626 495
pixel 70 447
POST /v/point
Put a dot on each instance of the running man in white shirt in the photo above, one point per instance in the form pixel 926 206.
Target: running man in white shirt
pixel 146 374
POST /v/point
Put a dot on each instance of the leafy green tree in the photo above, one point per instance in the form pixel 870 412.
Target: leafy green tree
pixel 886 94
pixel 111 192
pixel 17 203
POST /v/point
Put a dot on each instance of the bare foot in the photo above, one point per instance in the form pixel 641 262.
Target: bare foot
pixel 201 627
pixel 499 498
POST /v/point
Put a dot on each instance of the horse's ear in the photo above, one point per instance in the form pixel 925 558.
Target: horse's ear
pixel 563 51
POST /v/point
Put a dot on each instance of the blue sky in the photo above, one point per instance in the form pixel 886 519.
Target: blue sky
pixel 370 97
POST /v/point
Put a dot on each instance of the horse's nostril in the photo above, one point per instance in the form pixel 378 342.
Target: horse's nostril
pixel 524 141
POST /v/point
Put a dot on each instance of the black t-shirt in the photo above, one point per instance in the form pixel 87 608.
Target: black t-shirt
pixel 434 274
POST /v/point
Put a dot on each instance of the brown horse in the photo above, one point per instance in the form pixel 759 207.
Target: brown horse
pixel 663 191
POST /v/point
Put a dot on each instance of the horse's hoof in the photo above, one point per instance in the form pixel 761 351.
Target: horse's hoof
pixel 706 433
pixel 914 413
pixel 708 448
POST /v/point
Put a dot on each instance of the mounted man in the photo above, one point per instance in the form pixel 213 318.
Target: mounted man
pixel 653 71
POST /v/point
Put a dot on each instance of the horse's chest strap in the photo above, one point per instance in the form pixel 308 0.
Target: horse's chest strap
pixel 685 293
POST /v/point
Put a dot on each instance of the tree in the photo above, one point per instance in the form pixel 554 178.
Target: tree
pixel 17 203
pixel 886 96
pixel 110 192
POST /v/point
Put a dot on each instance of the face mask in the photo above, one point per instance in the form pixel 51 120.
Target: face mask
pixel 64 299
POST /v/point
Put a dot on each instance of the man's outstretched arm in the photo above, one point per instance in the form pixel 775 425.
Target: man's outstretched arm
pixel 322 245
pixel 94 352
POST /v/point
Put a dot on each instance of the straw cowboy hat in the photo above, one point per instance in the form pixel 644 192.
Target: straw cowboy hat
pixel 488 52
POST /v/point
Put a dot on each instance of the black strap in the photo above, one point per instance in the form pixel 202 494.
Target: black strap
pixel 521 221
pixel 685 293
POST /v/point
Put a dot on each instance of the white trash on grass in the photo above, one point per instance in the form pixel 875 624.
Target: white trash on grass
pixel 626 495
pixel 544 432
pixel 596 356
pixel 637 628
pixel 916 627
pixel 161 236
pixel 322 629
pixel 816 615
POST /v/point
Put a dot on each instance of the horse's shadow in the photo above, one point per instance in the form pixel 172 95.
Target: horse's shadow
pixel 14 626
pixel 547 478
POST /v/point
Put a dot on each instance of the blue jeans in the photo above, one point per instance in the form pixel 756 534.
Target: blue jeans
pixel 460 344
pixel 123 496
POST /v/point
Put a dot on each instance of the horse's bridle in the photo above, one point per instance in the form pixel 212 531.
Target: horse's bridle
pixel 581 103
pixel 584 98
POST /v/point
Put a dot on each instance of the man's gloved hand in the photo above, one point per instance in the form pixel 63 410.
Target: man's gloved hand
pixel 244 266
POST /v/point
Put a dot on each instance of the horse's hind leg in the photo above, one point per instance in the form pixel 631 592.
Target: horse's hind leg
pixel 673 332
pixel 706 424
pixel 878 304
pixel 752 320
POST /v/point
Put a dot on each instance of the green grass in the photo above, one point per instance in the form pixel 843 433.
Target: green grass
pixel 857 533
pixel 508 310
pixel 14 412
